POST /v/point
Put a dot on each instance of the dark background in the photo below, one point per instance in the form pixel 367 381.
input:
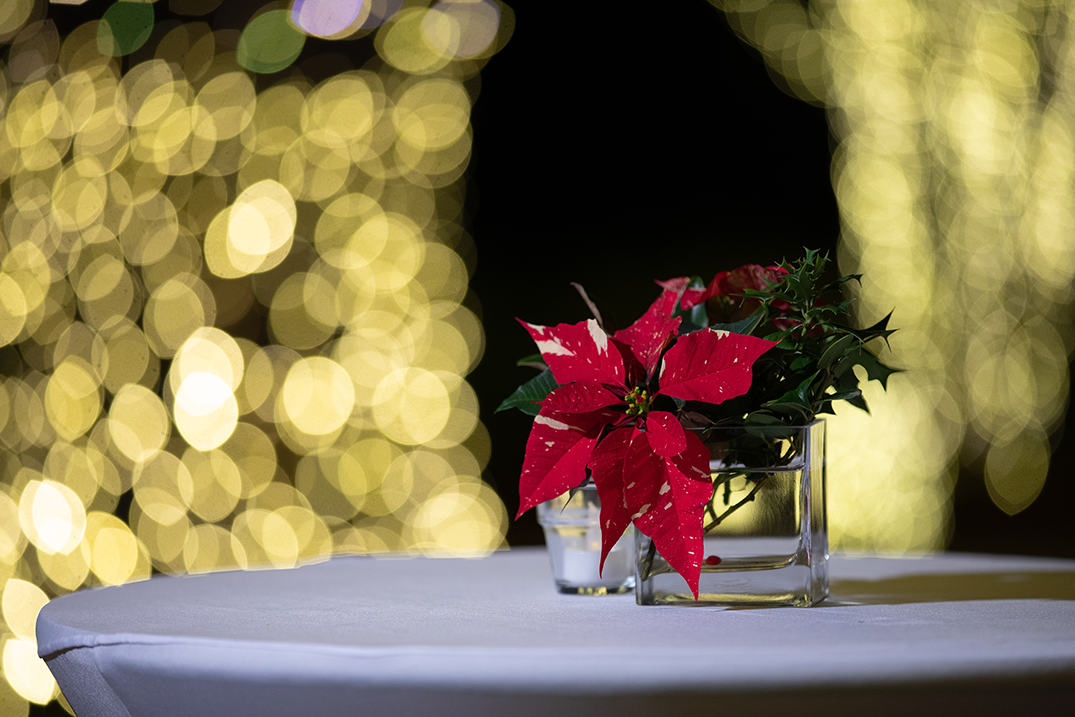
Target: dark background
pixel 614 146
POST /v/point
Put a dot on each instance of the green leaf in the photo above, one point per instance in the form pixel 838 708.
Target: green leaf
pixel 842 280
pixel 694 319
pixel 878 330
pixel 836 350
pixel 762 418
pixel 875 369
pixel 859 402
pixel 843 395
pixel 526 396
pixel 790 409
pixel 743 327
pixel 797 399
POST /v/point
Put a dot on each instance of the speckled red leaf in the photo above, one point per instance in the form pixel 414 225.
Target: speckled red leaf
pixel 710 366
pixel 580 397
pixel 606 467
pixel 666 434
pixel 691 297
pixel 648 336
pixel 556 455
pixel 680 283
pixel 634 373
pixel 577 352
pixel 666 498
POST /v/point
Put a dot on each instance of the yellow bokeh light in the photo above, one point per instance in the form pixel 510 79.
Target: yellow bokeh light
pixel 114 550
pixel 206 411
pixel 411 406
pixel 317 396
pixel 432 114
pixel 340 111
pixel 26 672
pixel 208 350
pixel 66 570
pixel 21 602
pixel 476 22
pixel 12 540
pixel 72 399
pixel 405 44
pixel 233 297
pixel 175 310
pixel 260 227
pixel 954 177
pixel 138 422
pixel 52 516
pixel 13 309
pixel 217 484
pixel 163 488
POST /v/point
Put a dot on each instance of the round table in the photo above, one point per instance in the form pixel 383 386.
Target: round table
pixel 366 636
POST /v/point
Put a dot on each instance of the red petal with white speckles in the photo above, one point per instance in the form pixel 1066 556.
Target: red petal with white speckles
pixel 711 366
pixel 666 498
pixel 606 467
pixel 578 352
pixel 580 397
pixel 556 455
pixel 648 336
pixel 666 434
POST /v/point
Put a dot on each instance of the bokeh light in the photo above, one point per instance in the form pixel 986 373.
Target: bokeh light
pixel 955 177
pixel 232 321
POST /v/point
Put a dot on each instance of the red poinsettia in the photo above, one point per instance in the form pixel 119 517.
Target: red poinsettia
pixel 722 298
pixel 647 468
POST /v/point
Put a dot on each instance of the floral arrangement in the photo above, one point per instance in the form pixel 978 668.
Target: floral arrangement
pixel 757 346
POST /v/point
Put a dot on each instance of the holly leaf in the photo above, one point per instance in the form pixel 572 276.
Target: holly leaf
pixel 878 330
pixel 557 451
pixel 835 350
pixel 577 352
pixel 710 366
pixel 875 369
pixel 666 497
pixel 606 466
pixel 527 397
pixel 797 400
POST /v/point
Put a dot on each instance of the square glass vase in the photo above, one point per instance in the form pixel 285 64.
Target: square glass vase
pixel 765 530
pixel 572 528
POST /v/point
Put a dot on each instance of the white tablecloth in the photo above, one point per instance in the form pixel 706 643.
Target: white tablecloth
pixel 951 634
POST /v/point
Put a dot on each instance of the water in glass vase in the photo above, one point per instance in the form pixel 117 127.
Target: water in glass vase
pixel 765 538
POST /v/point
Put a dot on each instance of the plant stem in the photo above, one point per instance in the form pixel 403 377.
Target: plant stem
pixel 647 562
pixel 720 518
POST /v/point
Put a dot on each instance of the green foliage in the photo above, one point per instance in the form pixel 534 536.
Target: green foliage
pixel 813 364
pixel 811 367
pixel 527 396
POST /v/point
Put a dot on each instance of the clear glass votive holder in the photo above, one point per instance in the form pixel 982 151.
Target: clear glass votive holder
pixel 573 537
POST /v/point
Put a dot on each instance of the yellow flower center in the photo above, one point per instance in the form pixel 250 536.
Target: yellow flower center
pixel 637 401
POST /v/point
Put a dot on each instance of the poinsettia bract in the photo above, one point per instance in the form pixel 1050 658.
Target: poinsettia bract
pixel 647 468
